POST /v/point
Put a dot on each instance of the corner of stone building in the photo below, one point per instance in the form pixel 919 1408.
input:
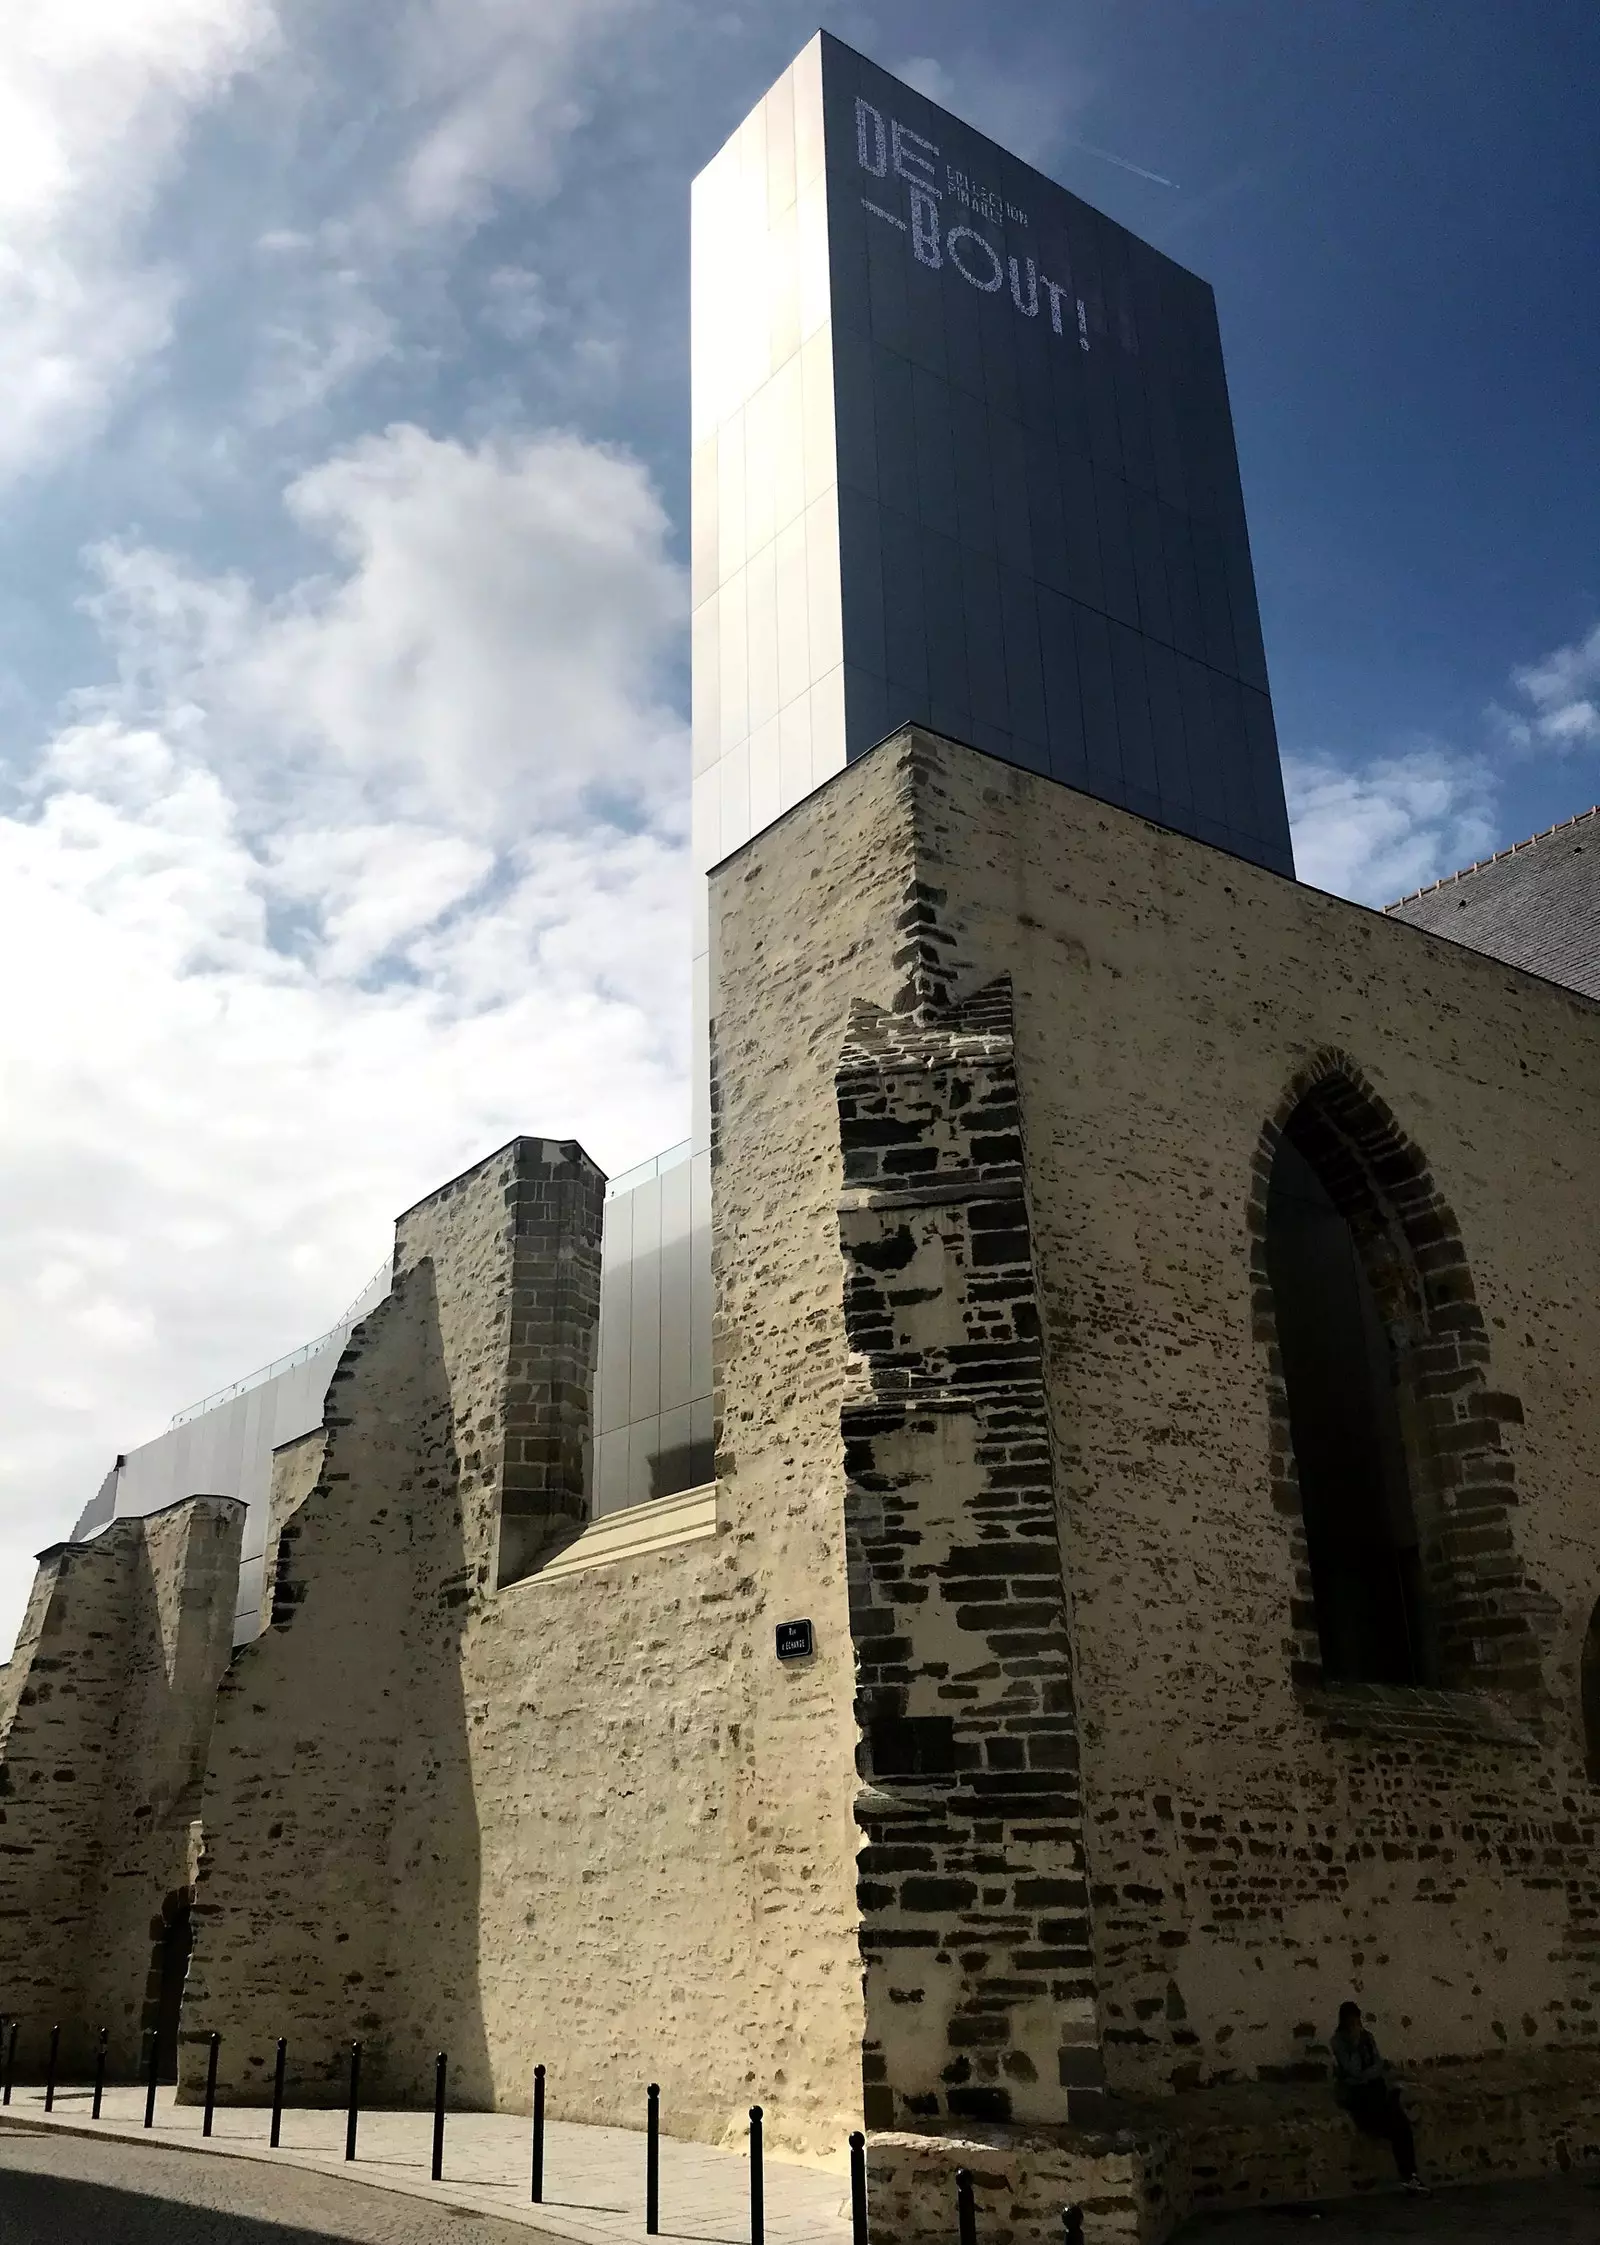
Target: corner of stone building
pixel 981 2034
pixel 801 920
pixel 893 1085
pixel 519 1296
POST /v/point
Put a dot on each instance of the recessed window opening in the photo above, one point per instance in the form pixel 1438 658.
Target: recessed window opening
pixel 1342 1376
pixel 174 1940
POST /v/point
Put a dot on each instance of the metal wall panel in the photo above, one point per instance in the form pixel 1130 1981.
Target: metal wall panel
pixel 223 1448
pixel 653 1369
pixel 1068 427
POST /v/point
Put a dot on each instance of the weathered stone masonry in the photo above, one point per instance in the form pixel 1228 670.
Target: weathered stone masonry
pixel 1258 1848
pixel 340 1896
pixel 1060 1852
pixel 578 1816
pixel 974 1905
pixel 106 1712
pixel 1259 1844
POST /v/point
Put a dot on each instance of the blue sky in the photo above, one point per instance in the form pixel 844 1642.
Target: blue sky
pixel 342 606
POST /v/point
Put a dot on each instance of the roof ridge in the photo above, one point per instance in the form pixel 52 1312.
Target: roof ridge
pixel 1544 834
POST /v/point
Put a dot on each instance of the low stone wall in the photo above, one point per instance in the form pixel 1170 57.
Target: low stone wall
pixel 1489 2119
pixel 1223 2150
pixel 1021 2180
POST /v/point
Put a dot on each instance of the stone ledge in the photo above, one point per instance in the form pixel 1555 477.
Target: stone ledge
pixel 658 1525
pixel 871 1197
pixel 1413 1712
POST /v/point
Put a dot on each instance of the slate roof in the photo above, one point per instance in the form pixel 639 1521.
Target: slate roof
pixel 1536 905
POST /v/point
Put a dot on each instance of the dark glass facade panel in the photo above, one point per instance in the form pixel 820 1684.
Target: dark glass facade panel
pixel 1042 535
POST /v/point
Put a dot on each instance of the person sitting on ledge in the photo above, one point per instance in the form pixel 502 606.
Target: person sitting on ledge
pixel 1362 2085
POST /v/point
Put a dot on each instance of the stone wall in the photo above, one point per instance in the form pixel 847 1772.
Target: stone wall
pixel 995 1072
pixel 668 1869
pixel 582 1819
pixel 107 1713
pixel 339 1897
pixel 296 1469
pixel 974 1902
pixel 1260 1843
pixel 1261 1848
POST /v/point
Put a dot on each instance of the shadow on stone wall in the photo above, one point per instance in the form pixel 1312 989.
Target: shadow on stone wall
pixel 338 1895
pixel 105 1721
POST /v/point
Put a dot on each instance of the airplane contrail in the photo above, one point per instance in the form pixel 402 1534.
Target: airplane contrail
pixel 1138 170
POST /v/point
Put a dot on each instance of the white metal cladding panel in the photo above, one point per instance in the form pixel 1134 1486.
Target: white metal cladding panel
pixel 227 1452
pixel 653 1372
pixel 767 642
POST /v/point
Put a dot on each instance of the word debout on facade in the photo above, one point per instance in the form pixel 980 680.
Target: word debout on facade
pixel 887 149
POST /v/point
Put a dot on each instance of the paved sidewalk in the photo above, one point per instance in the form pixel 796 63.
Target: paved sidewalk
pixel 593 2177
pixel 60 2188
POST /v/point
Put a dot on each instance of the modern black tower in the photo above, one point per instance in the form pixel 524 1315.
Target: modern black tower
pixel 962 456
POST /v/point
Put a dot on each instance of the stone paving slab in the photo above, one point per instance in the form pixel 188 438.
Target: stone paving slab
pixel 593 2177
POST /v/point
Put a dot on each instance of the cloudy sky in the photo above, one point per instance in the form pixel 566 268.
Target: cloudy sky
pixel 342 600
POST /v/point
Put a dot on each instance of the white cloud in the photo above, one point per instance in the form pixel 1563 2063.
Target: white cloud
pixel 1025 108
pixel 317 906
pixel 416 674
pixel 1378 831
pixel 337 333
pixel 95 102
pixel 496 88
pixel 1375 832
pixel 517 303
pixel 1561 700
pixel 378 137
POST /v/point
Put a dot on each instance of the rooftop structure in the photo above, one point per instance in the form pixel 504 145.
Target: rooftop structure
pixel 1535 905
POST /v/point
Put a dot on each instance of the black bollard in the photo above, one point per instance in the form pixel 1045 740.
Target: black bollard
pixel 50 2070
pixel 758 2181
pixel 438 2117
pixel 277 2095
pixel 652 2161
pixel 99 2075
pixel 150 2080
pixel 11 2062
pixel 211 2083
pixel 966 2211
pixel 538 2134
pixel 1072 2225
pixel 858 2188
pixel 355 2101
